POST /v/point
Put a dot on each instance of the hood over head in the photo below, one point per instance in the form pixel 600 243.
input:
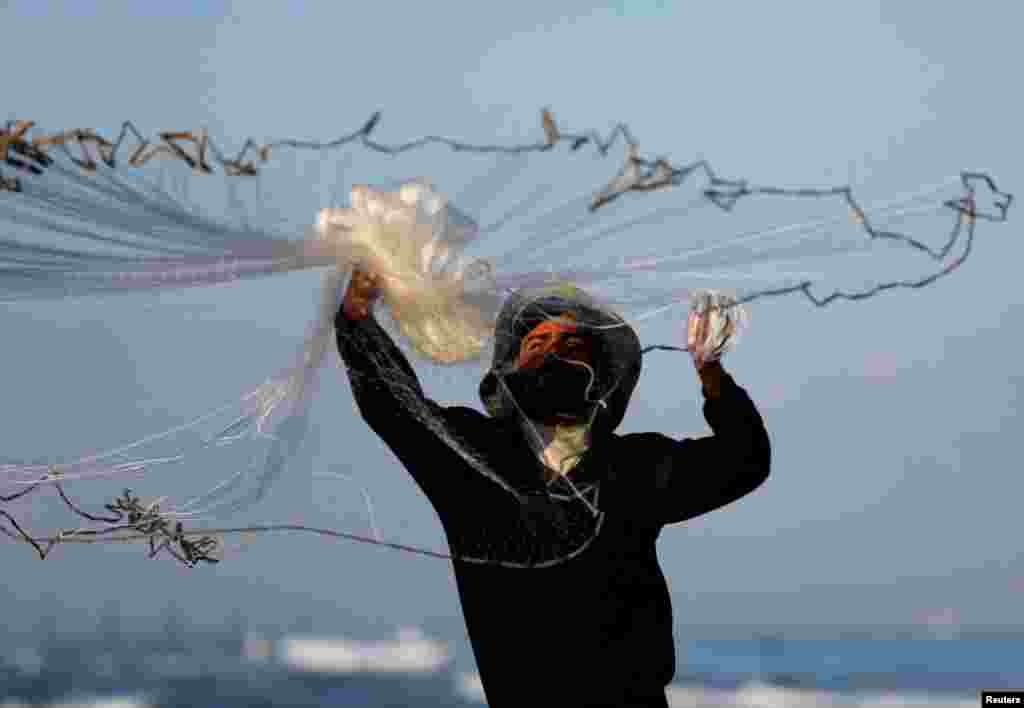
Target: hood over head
pixel 616 351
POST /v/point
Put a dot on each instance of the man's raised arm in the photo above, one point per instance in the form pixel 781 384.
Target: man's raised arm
pixel 694 476
pixel 390 398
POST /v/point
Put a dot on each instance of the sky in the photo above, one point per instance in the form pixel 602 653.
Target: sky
pixel 895 423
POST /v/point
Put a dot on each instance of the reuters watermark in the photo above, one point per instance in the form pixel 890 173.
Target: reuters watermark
pixel 1002 698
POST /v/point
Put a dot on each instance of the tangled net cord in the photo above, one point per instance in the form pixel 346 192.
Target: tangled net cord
pixel 128 518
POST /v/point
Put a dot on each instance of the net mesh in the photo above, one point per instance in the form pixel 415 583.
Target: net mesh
pixel 499 239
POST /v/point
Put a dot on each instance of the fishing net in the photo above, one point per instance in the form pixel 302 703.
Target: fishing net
pixel 476 245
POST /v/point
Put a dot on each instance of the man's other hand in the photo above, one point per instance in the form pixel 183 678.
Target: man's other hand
pixel 363 291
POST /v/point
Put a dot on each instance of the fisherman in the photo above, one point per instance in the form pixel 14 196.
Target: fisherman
pixel 581 617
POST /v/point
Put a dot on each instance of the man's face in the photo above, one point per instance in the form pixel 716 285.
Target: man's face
pixel 554 389
pixel 558 337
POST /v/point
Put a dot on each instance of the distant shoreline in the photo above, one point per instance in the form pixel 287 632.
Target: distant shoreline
pixel 51 627
pixel 848 632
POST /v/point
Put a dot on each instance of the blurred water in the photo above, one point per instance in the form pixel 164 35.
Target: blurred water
pixel 410 669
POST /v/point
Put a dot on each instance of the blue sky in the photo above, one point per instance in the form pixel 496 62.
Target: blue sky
pixel 895 423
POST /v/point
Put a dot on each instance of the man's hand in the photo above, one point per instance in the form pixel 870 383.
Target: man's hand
pixel 710 376
pixel 363 290
pixel 709 329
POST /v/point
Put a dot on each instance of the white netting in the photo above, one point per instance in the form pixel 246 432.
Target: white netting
pixel 472 259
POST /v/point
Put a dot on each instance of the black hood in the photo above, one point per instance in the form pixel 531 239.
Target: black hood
pixel 617 354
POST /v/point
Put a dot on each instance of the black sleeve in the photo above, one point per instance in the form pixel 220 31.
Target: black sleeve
pixel 416 429
pixel 694 476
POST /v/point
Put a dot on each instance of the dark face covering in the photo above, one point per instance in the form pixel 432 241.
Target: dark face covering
pixel 557 389
pixel 553 372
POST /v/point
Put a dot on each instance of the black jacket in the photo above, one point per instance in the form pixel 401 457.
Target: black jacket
pixel 596 627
